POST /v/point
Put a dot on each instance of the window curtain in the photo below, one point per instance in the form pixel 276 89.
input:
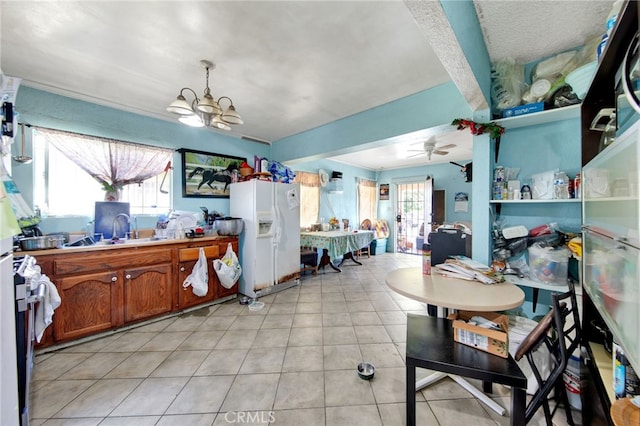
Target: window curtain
pixel 367 192
pixel 309 197
pixel 111 162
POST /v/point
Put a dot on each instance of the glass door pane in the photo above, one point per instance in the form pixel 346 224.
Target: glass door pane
pixel 410 217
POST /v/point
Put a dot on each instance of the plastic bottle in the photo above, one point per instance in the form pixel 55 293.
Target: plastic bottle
pixel 619 373
pixel 426 260
pixel 572 383
pixel 613 16
pixel 610 24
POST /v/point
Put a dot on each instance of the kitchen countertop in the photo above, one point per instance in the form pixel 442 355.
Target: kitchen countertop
pixel 130 243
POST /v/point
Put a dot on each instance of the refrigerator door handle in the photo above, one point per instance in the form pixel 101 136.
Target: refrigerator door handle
pixel 277 235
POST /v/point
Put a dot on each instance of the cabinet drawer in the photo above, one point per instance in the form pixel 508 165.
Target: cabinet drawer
pixel 185 255
pixel 109 261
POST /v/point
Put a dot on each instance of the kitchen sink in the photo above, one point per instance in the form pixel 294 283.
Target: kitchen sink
pixel 126 241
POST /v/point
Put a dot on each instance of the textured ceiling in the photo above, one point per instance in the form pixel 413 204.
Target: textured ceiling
pixel 289 66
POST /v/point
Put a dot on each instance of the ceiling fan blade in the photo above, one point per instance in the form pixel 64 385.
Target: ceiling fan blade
pixel 417 155
pixel 439 152
pixel 451 145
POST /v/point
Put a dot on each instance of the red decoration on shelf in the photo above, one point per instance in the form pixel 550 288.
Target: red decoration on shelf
pixel 494 130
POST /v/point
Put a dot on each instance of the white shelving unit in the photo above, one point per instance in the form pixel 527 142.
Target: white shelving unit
pixel 542 117
pixel 569 200
pixel 553 207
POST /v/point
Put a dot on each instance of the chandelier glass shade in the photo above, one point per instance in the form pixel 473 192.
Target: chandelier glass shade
pixel 205 111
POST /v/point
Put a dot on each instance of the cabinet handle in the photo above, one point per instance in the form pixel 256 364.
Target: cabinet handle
pixel 128 276
pixel 182 269
pixel 114 279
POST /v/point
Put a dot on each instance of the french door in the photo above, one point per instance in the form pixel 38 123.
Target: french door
pixel 414 213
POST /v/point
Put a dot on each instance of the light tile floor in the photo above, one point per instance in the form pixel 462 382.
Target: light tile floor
pixel 291 363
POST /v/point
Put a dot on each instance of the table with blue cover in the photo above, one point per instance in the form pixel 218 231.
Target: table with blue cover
pixel 335 244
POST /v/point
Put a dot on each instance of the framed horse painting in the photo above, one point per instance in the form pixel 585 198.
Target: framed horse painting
pixel 208 175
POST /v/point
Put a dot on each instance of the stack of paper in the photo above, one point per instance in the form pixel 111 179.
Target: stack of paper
pixel 467 269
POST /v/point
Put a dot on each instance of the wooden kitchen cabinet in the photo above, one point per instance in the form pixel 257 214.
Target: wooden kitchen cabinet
pixel 106 287
pixel 90 304
pixel 147 292
pixel 100 291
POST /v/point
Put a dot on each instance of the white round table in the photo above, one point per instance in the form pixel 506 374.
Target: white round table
pixel 454 293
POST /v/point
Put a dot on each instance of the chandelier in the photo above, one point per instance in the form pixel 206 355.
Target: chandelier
pixel 205 111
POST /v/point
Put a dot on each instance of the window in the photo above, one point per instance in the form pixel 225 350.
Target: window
pixel 62 188
pixel 367 206
pixel 309 197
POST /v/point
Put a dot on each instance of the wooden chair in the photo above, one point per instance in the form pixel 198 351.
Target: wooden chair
pixel 559 332
pixel 365 225
pixel 430 345
pixel 309 260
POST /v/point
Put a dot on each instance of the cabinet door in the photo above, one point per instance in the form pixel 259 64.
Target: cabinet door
pixel 89 304
pixel 186 298
pixel 147 292
pixel 612 280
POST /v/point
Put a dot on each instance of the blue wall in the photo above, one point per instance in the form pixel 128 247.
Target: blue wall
pixel 44 109
pixel 430 108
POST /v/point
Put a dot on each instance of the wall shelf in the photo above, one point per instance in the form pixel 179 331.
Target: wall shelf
pixel 542 117
pixel 568 200
pixel 536 118
pixel 500 203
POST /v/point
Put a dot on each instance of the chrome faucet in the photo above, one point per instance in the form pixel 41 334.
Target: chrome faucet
pixel 135 228
pixel 114 234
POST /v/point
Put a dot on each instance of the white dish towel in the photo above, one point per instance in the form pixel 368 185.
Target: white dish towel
pixel 44 309
pixel 51 298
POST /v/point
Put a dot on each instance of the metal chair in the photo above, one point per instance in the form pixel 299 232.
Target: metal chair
pixel 559 332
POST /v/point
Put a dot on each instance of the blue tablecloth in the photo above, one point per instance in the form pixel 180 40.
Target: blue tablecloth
pixel 337 243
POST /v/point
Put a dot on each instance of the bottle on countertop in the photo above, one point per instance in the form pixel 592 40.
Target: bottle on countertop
pixel 426 259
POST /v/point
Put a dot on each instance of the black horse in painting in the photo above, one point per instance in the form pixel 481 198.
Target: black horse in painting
pixel 210 176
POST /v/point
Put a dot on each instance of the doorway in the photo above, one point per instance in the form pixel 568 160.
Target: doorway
pixel 414 213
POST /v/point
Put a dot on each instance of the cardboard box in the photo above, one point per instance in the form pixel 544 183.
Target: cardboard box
pixel 523 109
pixel 493 341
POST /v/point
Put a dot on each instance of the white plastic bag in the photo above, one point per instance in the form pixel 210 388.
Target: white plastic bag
pixel 228 268
pixel 199 277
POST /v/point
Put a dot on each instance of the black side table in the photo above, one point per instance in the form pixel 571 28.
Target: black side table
pixel 430 345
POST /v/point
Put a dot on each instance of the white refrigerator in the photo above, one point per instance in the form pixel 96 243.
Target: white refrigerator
pixel 270 242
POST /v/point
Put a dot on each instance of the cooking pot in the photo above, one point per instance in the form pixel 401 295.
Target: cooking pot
pixel 41 243
pixel 227 226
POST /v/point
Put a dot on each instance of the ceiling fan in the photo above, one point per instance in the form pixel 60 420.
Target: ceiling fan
pixel 429 148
